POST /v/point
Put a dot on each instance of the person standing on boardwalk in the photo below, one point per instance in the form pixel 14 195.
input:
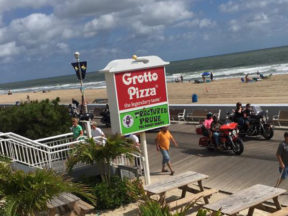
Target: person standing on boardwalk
pixel 76 129
pixel 96 131
pixel 282 156
pixel 162 142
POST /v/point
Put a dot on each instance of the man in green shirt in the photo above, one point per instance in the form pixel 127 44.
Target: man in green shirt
pixel 76 129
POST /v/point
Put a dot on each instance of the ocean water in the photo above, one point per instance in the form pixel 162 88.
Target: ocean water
pixel 228 73
pixel 267 61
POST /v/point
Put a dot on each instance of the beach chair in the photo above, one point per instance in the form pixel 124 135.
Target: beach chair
pixel 181 116
pixel 281 119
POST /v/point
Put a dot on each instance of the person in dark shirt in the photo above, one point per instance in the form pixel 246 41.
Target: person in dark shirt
pixel 282 157
pixel 211 76
pixel 75 102
pixel 238 114
pixel 246 115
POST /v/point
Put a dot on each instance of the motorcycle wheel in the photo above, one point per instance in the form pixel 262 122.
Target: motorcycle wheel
pixel 239 147
pixel 268 133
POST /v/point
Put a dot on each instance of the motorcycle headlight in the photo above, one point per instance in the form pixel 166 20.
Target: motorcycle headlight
pixel 234 132
pixel 230 133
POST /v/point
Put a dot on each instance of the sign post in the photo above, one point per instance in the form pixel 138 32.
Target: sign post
pixel 137 97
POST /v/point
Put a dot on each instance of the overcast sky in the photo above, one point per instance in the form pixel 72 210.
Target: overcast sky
pixel 38 37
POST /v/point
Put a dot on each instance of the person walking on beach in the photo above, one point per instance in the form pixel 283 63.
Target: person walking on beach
pixel 76 129
pixel 282 157
pixel 162 142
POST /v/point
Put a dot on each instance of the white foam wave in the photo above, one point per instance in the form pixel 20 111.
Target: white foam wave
pixel 228 73
pixel 87 85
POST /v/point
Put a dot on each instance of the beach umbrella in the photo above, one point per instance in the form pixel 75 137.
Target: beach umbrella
pixel 206 73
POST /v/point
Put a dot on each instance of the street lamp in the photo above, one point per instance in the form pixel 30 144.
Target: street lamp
pixel 76 55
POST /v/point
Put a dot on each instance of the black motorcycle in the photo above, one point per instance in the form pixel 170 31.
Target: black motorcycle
pixel 258 124
pixel 74 113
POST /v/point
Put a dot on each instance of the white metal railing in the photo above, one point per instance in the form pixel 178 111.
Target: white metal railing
pixel 51 152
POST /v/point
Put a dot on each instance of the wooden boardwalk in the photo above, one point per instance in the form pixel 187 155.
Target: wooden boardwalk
pixel 227 172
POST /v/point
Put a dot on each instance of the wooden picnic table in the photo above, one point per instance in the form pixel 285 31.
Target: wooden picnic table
pixel 249 198
pixel 62 200
pixel 180 181
pixel 68 202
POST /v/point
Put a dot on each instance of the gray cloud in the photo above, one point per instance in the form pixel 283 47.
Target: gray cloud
pixel 236 6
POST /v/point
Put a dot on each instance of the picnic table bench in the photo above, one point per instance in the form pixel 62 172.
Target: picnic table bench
pixel 200 115
pixel 249 198
pixel 281 118
pixel 68 202
pixel 180 181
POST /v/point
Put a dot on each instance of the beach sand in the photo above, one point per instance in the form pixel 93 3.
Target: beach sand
pixel 225 91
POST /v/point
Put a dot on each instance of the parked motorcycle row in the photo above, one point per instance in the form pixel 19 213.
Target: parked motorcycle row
pixel 75 113
pixel 232 134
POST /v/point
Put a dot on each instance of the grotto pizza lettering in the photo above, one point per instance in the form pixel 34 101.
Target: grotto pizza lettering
pixel 140 88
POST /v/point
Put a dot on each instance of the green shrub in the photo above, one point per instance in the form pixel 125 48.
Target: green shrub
pixel 205 212
pixel 36 119
pixel 117 192
pixel 152 208
pixel 28 193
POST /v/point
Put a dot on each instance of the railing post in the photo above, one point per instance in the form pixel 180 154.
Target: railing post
pixel 146 161
pixel 49 158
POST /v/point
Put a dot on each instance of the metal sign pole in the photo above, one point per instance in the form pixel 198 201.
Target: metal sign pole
pixel 145 154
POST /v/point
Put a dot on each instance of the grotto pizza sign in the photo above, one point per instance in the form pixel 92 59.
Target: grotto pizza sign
pixel 140 99
pixel 141 88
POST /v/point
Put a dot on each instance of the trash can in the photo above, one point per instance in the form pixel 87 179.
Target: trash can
pixel 194 98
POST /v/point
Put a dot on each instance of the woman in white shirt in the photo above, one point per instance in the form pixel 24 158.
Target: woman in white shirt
pixel 95 131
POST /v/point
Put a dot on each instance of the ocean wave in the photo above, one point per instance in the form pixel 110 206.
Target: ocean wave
pixel 226 73
pixel 235 72
pixel 87 85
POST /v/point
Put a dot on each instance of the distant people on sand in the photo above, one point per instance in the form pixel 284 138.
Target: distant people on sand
pixel 247 79
pixel 206 77
pixel 28 98
pixel 181 79
pixel 262 76
pixel 9 92
pixel 203 78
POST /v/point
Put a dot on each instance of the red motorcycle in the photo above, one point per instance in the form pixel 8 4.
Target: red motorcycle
pixel 229 139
